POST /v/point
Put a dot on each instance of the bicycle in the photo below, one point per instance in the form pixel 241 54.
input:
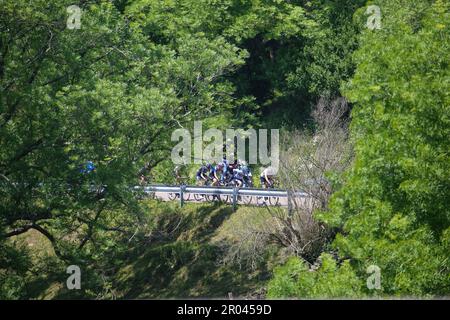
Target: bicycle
pixel 247 183
pixel 216 182
pixel 143 183
pixel 274 201
pixel 225 198
pixel 201 196
pixel 181 182
pixel 243 199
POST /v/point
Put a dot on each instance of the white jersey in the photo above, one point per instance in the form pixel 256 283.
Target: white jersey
pixel 270 171
pixel 238 173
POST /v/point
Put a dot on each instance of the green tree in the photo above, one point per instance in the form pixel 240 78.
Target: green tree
pixel 102 93
pixel 295 279
pixel 393 208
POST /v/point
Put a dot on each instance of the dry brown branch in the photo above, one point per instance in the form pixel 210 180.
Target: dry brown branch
pixel 307 159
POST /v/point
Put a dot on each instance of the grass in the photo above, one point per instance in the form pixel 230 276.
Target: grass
pixel 189 265
pixel 38 245
pixel 184 263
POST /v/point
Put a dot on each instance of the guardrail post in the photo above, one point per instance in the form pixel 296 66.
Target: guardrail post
pixel 289 202
pixel 235 196
pixel 182 195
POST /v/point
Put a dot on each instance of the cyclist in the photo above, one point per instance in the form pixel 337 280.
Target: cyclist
pixel 238 177
pixel 247 175
pixel 218 173
pixel 226 165
pixel 179 173
pixel 267 177
pixel 234 165
pixel 143 179
pixel 202 175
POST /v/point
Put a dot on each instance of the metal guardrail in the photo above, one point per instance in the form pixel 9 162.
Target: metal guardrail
pixel 234 192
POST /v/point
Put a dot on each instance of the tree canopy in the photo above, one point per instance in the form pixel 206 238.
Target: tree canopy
pixel 392 211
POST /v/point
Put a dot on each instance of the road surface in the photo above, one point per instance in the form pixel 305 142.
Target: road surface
pixel 242 200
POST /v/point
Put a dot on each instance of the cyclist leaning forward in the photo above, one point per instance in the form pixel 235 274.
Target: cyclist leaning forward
pixel 238 177
pixel 217 173
pixel 203 174
pixel 267 177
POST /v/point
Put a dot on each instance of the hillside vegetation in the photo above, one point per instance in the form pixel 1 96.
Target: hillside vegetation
pixel 180 255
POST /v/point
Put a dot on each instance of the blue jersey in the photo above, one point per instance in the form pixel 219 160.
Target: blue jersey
pixel 238 174
pixel 202 171
pixel 225 165
pixel 246 171
pixel 219 172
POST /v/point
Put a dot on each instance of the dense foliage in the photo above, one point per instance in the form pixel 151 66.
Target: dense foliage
pixel 393 209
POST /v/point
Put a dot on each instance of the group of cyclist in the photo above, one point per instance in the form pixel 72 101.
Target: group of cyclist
pixel 236 174
pixel 223 173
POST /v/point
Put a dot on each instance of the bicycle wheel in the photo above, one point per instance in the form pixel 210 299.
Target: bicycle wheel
pixel 274 201
pixel 172 196
pixel 246 199
pixel 199 197
pixel 260 201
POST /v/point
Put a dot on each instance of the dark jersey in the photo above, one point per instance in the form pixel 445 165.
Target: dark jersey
pixel 202 171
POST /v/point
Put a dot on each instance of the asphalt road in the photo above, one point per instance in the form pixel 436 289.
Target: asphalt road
pixel 242 200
